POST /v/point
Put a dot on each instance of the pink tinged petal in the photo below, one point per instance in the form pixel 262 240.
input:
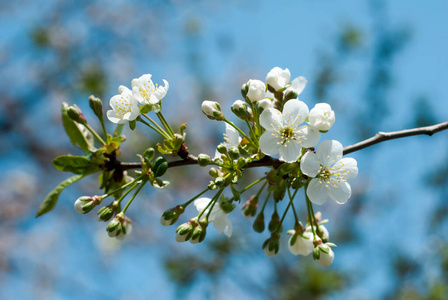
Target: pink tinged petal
pixel 291 152
pixel 341 193
pixel 295 109
pixel 309 164
pixel 271 119
pixel 347 167
pixel 317 191
pixel 268 143
pixel 329 152
pixel 312 136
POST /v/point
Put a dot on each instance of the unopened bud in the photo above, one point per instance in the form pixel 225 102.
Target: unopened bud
pixel 107 212
pixel 220 182
pixel 75 113
pixel 257 90
pixel 290 94
pixel 96 105
pixel 170 216
pixel 222 148
pixel 214 172
pixel 234 153
pixel 241 110
pixel 271 245
pixel 275 222
pixel 199 232
pixel 85 204
pixel 126 228
pixel 250 207
pixel 114 227
pixel 244 90
pixel 149 153
pixel 204 160
pixel 212 110
pixel 324 255
pixel 258 225
pixel 185 231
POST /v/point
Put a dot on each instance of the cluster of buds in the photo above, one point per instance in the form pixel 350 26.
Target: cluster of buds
pixel 193 231
pixel 170 216
pixel 119 226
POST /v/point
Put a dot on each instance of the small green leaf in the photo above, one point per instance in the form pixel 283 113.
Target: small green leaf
pixel 52 198
pixel 78 134
pixel 74 164
pixel 159 166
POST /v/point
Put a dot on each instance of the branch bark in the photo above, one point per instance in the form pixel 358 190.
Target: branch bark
pixel 268 161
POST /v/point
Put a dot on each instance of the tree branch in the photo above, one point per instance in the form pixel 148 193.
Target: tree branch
pixel 270 161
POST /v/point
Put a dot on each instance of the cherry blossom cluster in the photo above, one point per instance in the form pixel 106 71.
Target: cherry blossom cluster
pixel 280 133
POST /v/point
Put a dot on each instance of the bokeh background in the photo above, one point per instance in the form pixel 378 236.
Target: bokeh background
pixel 382 65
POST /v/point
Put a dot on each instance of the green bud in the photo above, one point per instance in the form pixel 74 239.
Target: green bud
pixel 258 225
pixel 96 105
pixel 316 253
pixel 75 113
pixel 250 207
pixel 241 110
pixel 272 245
pixel 204 160
pixel 222 148
pixel 291 94
pixel 149 153
pixel 220 182
pixel 218 161
pixel 114 227
pixel 234 153
pixel 214 172
pixel 280 190
pixel 185 231
pixel 106 212
pixel 159 166
pixel 275 222
pixel 199 232
pixel 244 90
pixel 85 204
pixel 170 216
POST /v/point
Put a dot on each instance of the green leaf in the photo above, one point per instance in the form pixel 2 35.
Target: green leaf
pixel 52 198
pixel 78 134
pixel 74 164
pixel 159 166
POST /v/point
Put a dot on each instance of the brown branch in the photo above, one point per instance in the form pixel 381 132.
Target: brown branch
pixel 270 161
pixel 385 136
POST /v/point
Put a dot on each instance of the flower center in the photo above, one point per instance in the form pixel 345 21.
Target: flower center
pixel 332 175
pixel 124 107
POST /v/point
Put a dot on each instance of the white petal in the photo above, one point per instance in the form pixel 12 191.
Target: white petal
pixel 201 203
pixel 309 164
pixel 271 119
pixel 298 84
pixel 291 152
pixel 232 135
pixel 329 152
pixel 161 91
pixel 312 136
pixel 340 194
pixel 347 167
pixel 139 96
pixel 295 109
pixel 228 230
pixel 317 192
pixel 268 143
pixel 325 260
pixel 112 116
pixel 302 246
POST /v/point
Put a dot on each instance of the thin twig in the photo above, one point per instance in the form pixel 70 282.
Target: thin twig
pixel 270 161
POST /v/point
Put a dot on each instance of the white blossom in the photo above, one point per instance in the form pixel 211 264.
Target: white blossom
pixel 219 218
pixel 322 117
pixel 257 90
pixel 326 255
pixel 284 133
pixel 278 78
pixel 212 110
pixel 146 92
pixel 297 85
pixel 330 173
pixel 124 107
pixel 303 243
pixel 232 139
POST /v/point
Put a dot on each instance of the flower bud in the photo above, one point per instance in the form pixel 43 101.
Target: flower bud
pixel 321 231
pixel 265 103
pixel 218 161
pixel 85 204
pixel 258 225
pixel 322 117
pixel 234 153
pixel 227 206
pixel 96 105
pixel 126 228
pixel 185 231
pixel 212 110
pixel 250 207
pixel 301 243
pixel 115 227
pixel 204 160
pixel 199 232
pixel 222 148
pixel 290 94
pixel 170 216
pixel 149 153
pixel 272 245
pixel 324 255
pixel 278 78
pixel 107 212
pixel 275 222
pixel 214 172
pixel 75 113
pixel 241 110
pixel 244 90
pixel 220 182
pixel 257 90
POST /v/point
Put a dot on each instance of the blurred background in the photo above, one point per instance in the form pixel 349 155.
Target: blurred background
pixel 382 65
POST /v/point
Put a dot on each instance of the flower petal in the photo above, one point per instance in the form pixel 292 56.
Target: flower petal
pixel 329 152
pixel 271 119
pixel 295 112
pixel 342 193
pixel 309 164
pixel 201 203
pixel 269 143
pixel 312 136
pixel 112 116
pixel 291 152
pixel 317 192
pixel 232 135
pixel 347 167
pixel 298 84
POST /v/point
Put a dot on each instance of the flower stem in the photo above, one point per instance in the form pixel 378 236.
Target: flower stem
pixel 257 118
pixel 240 131
pixel 122 187
pixel 165 124
pixel 252 184
pixel 195 197
pixel 133 196
pixel 310 218
pixel 293 208
pixel 127 192
pixel 118 129
pixel 155 123
pixel 163 134
pixel 95 134
pixel 266 201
